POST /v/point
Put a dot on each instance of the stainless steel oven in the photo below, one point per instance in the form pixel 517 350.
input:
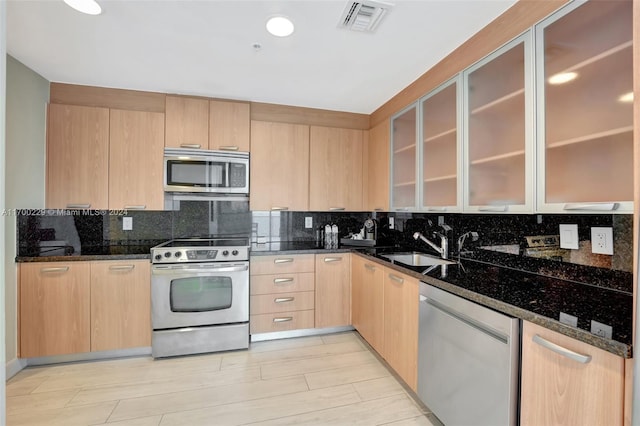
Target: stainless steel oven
pixel 200 296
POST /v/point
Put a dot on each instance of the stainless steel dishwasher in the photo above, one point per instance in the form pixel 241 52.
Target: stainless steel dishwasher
pixel 468 358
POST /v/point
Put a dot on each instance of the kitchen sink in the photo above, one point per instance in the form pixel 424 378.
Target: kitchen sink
pixel 416 259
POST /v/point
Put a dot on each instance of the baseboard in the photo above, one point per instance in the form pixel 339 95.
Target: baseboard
pixel 15 366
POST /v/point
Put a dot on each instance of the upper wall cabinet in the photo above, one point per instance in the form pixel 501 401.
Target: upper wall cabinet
pixel 585 109
pixel 498 129
pixel 199 123
pixel 441 185
pixel 77 157
pixel 404 136
pixel 335 169
pixel 376 168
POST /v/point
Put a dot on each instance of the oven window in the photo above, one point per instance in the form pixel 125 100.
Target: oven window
pixel 200 294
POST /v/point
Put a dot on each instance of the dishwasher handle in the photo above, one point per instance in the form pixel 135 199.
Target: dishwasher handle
pixel 567 353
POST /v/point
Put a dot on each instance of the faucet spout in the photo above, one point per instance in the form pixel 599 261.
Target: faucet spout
pixel 443 249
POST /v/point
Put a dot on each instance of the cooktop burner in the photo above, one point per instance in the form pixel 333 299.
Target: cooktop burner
pixel 190 250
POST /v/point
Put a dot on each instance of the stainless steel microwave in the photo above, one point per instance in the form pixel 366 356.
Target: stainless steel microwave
pixel 202 171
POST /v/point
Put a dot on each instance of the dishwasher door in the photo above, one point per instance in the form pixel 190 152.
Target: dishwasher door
pixel 467 361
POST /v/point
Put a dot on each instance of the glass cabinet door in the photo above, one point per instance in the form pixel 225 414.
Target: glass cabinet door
pixel 585 88
pixel 403 159
pixel 499 130
pixel 439 138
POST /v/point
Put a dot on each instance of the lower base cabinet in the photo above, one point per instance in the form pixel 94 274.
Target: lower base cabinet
pixel 367 300
pixel 77 307
pixel 333 290
pixel 567 382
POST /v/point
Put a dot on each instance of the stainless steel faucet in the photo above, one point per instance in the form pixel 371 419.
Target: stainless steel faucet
pixel 474 237
pixel 443 250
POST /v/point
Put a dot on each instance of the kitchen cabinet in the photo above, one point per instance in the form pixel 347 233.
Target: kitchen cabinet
pixel 187 122
pixel 585 116
pixel 568 382
pixel 401 295
pixel 333 290
pixel 367 300
pixel 120 304
pixel 404 136
pixel 54 308
pixel 279 166
pixel 229 126
pixel 376 168
pixel 498 129
pixel 335 169
pixel 282 290
pixel 77 157
pixel 441 186
pixel 135 160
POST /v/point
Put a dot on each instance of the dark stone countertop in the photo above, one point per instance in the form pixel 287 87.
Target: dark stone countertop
pixel 102 252
pixel 293 247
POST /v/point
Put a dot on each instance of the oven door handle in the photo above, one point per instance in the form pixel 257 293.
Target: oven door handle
pixel 184 268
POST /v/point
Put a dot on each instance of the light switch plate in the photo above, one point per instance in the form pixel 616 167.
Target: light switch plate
pixel 392 223
pixel 569 237
pixel 602 240
pixel 127 223
pixel 308 222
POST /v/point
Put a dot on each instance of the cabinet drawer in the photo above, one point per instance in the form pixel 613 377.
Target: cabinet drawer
pixel 282 302
pixel 282 283
pixel 282 321
pixel 261 265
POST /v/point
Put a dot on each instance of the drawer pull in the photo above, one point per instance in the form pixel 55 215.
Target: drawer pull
pixel 332 259
pixel 336 209
pixel 54 269
pixel 191 145
pixel 122 267
pixel 78 206
pixel 135 207
pixel 283 319
pixel 284 260
pixel 284 299
pixel 277 209
pixel 369 267
pixel 282 280
pixel 229 148
pixel 396 278
pixel 583 359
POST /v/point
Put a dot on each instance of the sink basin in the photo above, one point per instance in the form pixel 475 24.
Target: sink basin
pixel 417 259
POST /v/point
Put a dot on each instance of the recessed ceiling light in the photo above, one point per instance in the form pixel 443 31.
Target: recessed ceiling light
pixel 90 7
pixel 280 26
pixel 563 77
pixel 627 97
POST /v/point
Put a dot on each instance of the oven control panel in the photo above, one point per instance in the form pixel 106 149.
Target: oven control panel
pixel 180 255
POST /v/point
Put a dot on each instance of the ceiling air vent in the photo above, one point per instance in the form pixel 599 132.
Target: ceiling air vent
pixel 363 16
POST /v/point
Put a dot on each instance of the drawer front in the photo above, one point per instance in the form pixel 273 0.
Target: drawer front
pixel 282 283
pixel 261 265
pixel 283 321
pixel 282 302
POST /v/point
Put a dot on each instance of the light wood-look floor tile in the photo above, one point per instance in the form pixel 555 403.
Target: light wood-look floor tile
pixel 330 379
pixel 422 420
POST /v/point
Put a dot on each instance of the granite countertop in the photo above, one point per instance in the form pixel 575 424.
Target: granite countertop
pixel 293 247
pixel 101 252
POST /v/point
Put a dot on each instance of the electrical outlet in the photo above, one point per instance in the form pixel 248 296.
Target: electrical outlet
pixel 602 240
pixel 392 223
pixel 602 330
pixel 569 236
pixel 127 223
pixel 308 222
pixel 568 319
pixel 440 220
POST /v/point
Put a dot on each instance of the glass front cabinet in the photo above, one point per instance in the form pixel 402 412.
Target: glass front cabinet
pixel 404 135
pixel 498 130
pixel 584 82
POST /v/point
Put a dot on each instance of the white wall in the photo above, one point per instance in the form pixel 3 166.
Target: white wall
pixel 27 95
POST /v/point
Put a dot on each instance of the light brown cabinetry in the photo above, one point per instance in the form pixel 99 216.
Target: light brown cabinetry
pixel 120 304
pixel 335 169
pixel 77 157
pixel 135 160
pixel 367 300
pixel 568 382
pixel 282 292
pixel 279 166
pixel 187 123
pixel 229 126
pixel 54 308
pixel 401 295
pixel 333 290
pixel 375 174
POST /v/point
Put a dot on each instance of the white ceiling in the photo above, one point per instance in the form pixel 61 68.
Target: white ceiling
pixel 206 47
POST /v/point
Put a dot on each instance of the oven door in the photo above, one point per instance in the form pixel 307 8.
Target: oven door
pixel 191 295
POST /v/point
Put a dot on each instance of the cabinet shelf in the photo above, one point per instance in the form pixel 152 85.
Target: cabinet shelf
pixel 440 178
pixel 401 184
pixel 440 135
pixel 498 157
pixel 498 101
pixel 598 57
pixel 404 149
pixel 590 137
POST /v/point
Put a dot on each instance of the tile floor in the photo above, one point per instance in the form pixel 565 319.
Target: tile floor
pixel 323 380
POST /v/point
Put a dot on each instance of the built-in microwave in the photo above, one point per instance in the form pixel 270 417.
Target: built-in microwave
pixel 202 171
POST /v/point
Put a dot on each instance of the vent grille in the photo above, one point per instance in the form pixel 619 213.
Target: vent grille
pixel 363 16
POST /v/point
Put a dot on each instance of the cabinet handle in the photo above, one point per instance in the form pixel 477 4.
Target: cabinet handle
pixel 284 260
pixel 136 207
pixel 332 259
pixel 282 280
pixel 283 319
pixel 277 209
pixel 229 148
pixel 335 209
pixel 191 145
pixel 78 206
pixel 591 206
pixel 378 209
pixel 436 209
pixel 583 359
pixel 54 269
pixel 284 299
pixel 493 208
pixel 122 267
pixel 369 267
pixel 396 278
pixel 402 209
